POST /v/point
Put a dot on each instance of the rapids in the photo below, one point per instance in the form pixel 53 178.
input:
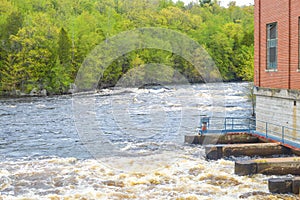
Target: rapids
pixel 121 144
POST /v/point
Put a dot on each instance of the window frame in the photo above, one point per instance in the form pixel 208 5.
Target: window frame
pixel 272 43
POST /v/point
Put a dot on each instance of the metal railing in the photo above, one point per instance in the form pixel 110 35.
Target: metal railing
pixel 228 125
pixel 283 134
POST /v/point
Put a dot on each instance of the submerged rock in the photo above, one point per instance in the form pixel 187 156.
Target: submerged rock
pixel 256 193
pixel 153 86
pixel 114 183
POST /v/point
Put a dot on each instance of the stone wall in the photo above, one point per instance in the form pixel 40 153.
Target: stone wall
pixel 279 108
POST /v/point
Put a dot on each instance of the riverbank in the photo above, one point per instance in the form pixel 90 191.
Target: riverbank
pixel 43 92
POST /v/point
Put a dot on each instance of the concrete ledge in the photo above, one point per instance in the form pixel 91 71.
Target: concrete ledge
pixel 269 166
pixel 292 149
pixel 215 152
pixel 295 151
pixel 279 93
pixel 243 168
pixel 284 185
pixel 220 139
pixel 296 185
pixel 280 185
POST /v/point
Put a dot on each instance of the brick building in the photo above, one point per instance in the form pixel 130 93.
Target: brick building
pixel 277 65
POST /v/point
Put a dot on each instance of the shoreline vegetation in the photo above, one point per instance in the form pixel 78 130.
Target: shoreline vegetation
pixel 43 43
pixel 154 86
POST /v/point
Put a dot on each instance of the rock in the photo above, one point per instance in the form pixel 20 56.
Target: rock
pixel 71 91
pixel 43 92
pixel 251 194
pixel 18 92
pixel 114 183
pixel 72 88
pixel 14 93
pixel 33 92
pixel 153 86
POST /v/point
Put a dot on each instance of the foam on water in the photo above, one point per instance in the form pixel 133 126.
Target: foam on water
pixel 43 157
pixel 191 177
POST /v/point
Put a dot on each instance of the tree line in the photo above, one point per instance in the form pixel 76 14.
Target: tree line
pixel 44 42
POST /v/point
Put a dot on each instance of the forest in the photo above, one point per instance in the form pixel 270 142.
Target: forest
pixel 43 43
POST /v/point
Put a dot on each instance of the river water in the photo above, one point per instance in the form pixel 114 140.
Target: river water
pixel 121 144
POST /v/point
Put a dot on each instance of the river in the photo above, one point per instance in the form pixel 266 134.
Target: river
pixel 121 144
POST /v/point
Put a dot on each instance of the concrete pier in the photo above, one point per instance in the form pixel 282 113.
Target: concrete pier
pixel 236 138
pixel 269 166
pixel 214 152
pixel 294 150
pixel 284 185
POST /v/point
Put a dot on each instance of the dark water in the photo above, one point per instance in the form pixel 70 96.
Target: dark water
pixel 34 127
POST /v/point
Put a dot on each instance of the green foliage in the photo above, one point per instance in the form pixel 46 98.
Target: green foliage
pixel 36 52
pixel 11 75
pixel 13 23
pixel 64 48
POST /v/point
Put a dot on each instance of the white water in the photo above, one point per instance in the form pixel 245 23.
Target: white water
pixel 43 157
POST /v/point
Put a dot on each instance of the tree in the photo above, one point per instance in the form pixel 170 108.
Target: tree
pixel 64 51
pixel 32 52
pixel 13 75
pixel 36 52
pixel 11 27
pixel 245 59
pixel 9 73
pixel 13 24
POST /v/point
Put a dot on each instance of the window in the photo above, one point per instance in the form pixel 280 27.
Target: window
pixel 272 46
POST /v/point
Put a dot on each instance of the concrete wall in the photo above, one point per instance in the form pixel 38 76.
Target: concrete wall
pixel 286 13
pixel 280 107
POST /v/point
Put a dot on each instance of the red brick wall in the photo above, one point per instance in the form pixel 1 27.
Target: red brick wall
pixel 256 42
pixel 269 11
pixel 295 73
